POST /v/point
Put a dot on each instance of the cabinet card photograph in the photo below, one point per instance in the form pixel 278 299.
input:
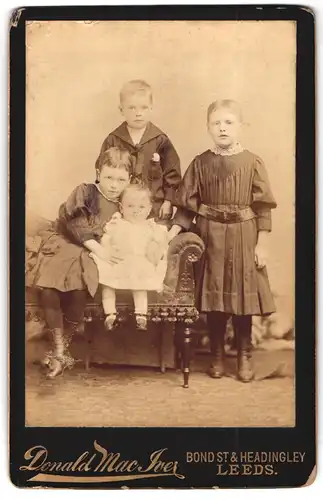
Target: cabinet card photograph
pixel 161 161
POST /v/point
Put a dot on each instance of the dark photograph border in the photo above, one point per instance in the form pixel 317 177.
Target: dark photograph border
pixel 67 444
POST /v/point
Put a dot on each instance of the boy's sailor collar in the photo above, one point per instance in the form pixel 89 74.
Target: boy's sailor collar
pixel 232 150
pixel 151 132
pixel 117 202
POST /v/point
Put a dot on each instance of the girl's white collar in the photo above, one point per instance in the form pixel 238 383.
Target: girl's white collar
pixel 233 150
pixel 109 199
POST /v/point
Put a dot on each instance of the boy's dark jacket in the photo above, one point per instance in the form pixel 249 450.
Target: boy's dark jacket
pixel 162 177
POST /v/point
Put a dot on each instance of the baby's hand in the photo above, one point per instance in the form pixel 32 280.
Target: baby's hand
pixel 116 255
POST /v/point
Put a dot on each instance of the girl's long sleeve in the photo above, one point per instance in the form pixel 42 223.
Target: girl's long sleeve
pixel 187 198
pixel 76 219
pixel 263 200
pixel 171 169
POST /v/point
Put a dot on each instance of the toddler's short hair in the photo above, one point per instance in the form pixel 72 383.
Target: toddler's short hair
pixel 229 104
pixel 134 87
pixel 136 188
pixel 117 158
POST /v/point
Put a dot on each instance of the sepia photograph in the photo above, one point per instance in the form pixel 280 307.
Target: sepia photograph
pixel 160 223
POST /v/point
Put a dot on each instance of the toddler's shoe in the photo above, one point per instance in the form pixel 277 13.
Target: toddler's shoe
pixel 110 322
pixel 141 321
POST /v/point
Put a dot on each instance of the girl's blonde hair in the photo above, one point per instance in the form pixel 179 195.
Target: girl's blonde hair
pixel 229 104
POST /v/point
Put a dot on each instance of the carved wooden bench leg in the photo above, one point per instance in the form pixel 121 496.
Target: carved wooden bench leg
pixel 186 355
pixel 88 338
pixel 87 362
pixel 178 344
pixel 162 347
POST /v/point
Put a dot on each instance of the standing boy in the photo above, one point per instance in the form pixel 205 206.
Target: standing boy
pixel 155 160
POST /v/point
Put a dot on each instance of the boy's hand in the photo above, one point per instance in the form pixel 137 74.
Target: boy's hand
pixel 166 210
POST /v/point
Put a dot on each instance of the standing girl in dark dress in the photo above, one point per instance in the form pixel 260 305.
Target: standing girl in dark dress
pixel 226 188
pixel 64 271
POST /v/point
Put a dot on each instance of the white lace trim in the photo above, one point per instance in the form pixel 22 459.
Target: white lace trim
pixel 233 150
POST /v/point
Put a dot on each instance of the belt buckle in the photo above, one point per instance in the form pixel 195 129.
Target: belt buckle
pixel 230 216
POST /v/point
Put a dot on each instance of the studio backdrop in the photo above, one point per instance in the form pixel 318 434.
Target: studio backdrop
pixel 74 74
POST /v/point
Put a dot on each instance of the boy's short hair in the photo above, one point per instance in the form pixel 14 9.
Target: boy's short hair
pixel 134 87
pixel 229 104
pixel 137 187
pixel 116 158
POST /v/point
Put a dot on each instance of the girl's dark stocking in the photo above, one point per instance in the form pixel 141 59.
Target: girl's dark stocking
pixel 217 323
pixel 51 303
pixel 73 305
pixel 242 327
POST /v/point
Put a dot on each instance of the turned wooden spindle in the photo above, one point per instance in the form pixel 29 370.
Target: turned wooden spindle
pixel 186 355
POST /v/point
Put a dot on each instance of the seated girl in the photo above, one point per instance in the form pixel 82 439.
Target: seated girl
pixel 64 272
pixel 141 245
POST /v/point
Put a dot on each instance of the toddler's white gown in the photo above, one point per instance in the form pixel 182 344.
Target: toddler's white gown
pixel 135 271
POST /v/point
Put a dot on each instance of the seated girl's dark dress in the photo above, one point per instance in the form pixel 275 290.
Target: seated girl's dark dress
pixel 64 272
pixel 63 263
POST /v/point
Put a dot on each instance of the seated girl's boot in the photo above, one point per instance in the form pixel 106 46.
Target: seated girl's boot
pixel 60 358
pixel 245 371
pixel 46 361
pixel 74 327
pixel 56 368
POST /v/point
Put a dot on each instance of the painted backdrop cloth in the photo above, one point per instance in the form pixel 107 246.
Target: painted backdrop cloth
pixel 62 261
pixel 227 278
pixel 136 271
pixel 163 176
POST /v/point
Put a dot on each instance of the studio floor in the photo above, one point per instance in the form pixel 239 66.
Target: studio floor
pixel 128 396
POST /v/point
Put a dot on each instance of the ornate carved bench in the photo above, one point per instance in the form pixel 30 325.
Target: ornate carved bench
pixel 171 315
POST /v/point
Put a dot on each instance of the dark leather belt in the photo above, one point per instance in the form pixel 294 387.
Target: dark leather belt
pixel 226 216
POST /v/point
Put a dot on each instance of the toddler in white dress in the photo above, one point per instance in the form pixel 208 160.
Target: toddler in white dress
pixel 141 245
